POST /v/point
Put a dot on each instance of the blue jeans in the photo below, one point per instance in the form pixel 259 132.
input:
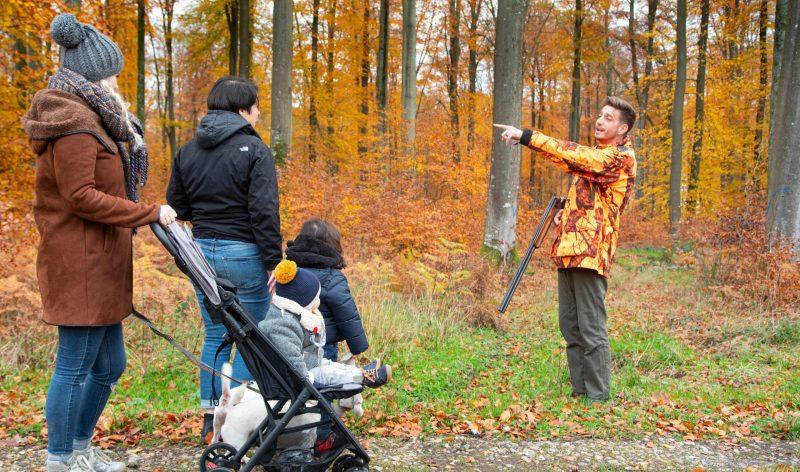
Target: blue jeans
pixel 89 362
pixel 241 264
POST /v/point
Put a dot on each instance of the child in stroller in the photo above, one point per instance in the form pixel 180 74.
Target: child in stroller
pixel 296 327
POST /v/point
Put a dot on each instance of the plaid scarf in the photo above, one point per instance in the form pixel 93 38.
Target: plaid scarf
pixel 126 133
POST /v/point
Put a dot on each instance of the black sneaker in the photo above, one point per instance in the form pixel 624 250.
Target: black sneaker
pixel 208 428
pixel 374 378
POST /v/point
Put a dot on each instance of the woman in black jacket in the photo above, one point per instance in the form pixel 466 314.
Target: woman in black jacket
pixel 224 182
pixel 318 248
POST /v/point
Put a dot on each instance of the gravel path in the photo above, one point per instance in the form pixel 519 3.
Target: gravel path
pixel 479 454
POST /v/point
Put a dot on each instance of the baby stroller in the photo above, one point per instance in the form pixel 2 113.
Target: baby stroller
pixel 290 393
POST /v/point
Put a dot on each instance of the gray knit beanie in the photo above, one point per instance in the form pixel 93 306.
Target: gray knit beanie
pixel 85 50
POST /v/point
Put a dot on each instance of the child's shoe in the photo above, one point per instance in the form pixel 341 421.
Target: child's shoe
pixel 373 365
pixel 374 378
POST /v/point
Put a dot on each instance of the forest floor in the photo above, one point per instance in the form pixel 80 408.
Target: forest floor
pixel 459 453
pixel 698 380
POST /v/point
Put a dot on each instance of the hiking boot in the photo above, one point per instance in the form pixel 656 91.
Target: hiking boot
pixel 330 442
pixel 98 461
pixel 208 428
pixel 374 378
pixel 75 464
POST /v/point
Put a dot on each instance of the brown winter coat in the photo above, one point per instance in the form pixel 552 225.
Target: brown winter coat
pixel 85 261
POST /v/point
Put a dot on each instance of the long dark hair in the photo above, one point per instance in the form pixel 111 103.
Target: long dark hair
pixel 325 231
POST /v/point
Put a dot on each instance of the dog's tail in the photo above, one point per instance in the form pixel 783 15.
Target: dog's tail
pixel 225 403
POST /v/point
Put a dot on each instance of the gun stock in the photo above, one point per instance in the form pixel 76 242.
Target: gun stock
pixel 555 204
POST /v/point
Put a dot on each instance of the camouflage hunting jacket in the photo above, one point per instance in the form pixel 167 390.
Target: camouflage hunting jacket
pixel 603 182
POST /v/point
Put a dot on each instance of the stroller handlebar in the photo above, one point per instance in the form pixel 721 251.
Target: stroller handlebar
pixel 163 237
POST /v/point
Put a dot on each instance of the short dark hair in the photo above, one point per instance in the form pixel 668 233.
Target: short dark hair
pixel 326 232
pixel 625 109
pixel 232 93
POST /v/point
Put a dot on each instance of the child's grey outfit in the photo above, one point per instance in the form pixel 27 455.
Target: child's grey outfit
pixel 284 325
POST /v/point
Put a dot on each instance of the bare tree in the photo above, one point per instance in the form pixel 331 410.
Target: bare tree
pixel 761 108
pixel 676 122
pixel 245 38
pixel 409 75
pixel 472 68
pixel 232 20
pixel 313 120
pixel 140 60
pixel 699 110
pixel 167 8
pixel 381 83
pixel 777 52
pixel 454 54
pixel 281 114
pixel 575 102
pixel 364 78
pixel 783 201
pixel 501 203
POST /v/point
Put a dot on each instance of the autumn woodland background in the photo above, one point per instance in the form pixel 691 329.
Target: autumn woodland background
pixel 380 113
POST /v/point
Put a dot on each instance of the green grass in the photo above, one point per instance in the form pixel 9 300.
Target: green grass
pixel 672 360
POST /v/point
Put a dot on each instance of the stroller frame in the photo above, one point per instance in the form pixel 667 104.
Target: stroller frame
pixel 276 378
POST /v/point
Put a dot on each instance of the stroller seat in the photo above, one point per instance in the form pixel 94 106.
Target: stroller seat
pixel 286 392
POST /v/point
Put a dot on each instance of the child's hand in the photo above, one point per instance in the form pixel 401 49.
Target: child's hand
pixel 271 282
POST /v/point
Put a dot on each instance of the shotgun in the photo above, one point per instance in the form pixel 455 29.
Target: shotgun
pixel 556 203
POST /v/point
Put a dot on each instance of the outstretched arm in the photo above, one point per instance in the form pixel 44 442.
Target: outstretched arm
pixel 594 164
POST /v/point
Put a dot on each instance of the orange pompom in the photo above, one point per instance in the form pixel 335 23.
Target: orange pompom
pixel 285 271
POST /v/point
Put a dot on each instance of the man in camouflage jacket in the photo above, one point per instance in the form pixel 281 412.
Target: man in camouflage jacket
pixel 586 236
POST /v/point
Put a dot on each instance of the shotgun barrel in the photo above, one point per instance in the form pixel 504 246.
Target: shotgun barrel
pixel 555 204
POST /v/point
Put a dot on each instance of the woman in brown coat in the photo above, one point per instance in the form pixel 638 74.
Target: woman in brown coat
pixel 91 162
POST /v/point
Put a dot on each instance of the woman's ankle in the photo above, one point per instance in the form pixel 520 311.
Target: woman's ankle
pixel 81 444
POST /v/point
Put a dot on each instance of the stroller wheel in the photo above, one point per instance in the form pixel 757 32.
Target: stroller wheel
pixel 349 463
pixel 218 457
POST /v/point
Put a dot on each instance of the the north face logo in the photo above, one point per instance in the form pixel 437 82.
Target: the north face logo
pixel 244 148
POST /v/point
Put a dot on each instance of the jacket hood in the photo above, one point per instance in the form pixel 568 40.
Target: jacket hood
pixel 219 125
pixel 56 113
pixel 314 253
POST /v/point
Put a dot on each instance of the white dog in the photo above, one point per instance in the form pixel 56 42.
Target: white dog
pixel 241 410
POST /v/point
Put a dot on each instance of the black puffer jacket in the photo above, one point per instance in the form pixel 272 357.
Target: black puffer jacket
pixel 224 182
pixel 342 321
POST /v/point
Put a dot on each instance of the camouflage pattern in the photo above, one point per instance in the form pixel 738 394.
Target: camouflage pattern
pixel 603 182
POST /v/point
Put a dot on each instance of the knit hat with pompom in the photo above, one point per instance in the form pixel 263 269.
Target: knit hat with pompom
pixel 296 284
pixel 85 50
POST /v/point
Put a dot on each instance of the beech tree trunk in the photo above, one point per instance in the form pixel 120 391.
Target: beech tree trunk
pixel 454 53
pixel 280 135
pixel 502 202
pixel 472 68
pixel 232 19
pixel 381 84
pixel 140 61
pixel 676 122
pixel 245 39
pixel 693 197
pixel 575 102
pixel 783 202
pixel 409 73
